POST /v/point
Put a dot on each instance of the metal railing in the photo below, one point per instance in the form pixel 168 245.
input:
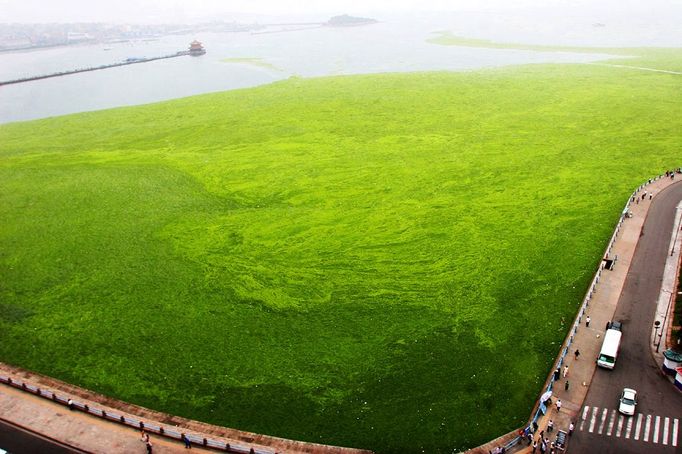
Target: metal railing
pixel 583 307
pixel 168 432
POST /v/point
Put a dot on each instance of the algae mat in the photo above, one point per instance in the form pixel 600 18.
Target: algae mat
pixel 377 261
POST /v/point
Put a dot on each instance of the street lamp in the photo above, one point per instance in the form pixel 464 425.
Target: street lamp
pixel 657 325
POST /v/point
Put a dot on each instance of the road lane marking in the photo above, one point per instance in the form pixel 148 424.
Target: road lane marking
pixel 656 424
pixel 603 420
pixel 621 419
pixel 612 419
pixel 675 432
pixel 638 427
pixel 582 422
pixel 665 430
pixel 628 428
pixel 595 410
pixel 647 426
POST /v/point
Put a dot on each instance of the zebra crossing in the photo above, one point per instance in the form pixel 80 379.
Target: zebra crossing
pixel 645 428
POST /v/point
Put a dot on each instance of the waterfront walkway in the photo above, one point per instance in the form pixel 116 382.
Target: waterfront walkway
pixel 132 61
pixel 588 340
pixel 85 432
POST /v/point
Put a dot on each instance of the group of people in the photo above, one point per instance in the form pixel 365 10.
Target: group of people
pixel 671 173
pixel 148 443
pixel 543 442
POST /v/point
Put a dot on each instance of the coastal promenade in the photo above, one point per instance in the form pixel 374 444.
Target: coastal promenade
pixel 84 429
pixel 601 306
pixel 133 61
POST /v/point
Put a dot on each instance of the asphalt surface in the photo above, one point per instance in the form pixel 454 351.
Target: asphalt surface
pixel 17 440
pixel 658 417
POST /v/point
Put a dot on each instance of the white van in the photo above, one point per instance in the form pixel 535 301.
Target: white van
pixel 609 349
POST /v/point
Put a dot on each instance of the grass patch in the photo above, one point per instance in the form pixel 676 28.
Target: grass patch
pixel 374 261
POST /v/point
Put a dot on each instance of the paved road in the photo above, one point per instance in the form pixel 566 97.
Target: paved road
pixel 16 440
pixel 657 424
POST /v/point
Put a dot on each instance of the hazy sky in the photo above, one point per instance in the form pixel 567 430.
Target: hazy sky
pixel 141 11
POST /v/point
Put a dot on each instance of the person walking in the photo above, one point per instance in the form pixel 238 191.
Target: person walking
pixel 566 386
pixel 185 440
pixel 149 447
pixel 566 371
pixel 571 427
pixel 558 405
pixel 557 374
pixel 535 446
pixel 587 322
pixel 577 354
pixel 550 426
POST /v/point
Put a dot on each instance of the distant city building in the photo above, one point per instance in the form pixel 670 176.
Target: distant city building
pixel 77 37
pixel 196 49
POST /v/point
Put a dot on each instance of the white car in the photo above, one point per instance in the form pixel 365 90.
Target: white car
pixel 628 401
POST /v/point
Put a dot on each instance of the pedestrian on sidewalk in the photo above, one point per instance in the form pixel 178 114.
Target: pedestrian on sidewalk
pixel 571 426
pixel 145 436
pixel 651 195
pixel 185 440
pixel 587 322
pixel 550 426
pixel 149 447
pixel 558 405
pixel 535 446
pixel 566 386
pixel 577 354
pixel 557 374
pixel 566 371
pixel 70 404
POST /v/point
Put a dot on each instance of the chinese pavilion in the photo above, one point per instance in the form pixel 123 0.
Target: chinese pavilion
pixel 196 49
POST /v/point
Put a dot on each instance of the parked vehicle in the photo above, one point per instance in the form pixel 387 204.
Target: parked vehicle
pixel 615 324
pixel 628 401
pixel 609 349
pixel 560 442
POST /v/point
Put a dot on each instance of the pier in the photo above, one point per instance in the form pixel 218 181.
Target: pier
pixel 130 61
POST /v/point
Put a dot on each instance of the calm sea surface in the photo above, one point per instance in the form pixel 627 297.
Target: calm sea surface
pixel 395 45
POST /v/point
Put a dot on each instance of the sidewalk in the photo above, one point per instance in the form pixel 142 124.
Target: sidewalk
pixel 91 433
pixel 572 389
